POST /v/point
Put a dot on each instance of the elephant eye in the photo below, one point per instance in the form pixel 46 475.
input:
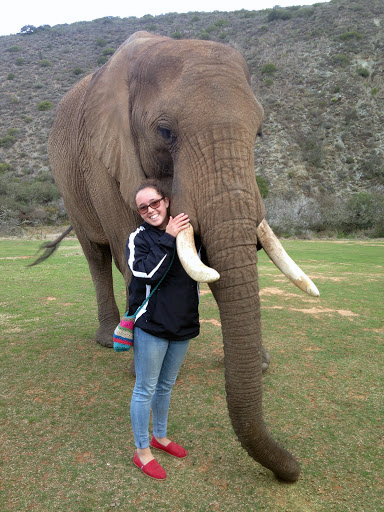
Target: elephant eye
pixel 166 134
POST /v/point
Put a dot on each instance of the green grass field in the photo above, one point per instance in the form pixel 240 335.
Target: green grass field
pixel 65 438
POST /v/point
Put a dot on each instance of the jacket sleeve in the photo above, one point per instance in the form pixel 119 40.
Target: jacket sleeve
pixel 149 261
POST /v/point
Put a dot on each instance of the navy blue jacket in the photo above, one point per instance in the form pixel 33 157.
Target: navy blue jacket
pixel 172 311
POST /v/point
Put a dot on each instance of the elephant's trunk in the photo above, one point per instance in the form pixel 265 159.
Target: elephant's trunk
pixel 225 208
pixel 243 370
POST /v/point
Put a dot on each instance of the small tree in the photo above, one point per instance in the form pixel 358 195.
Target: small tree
pixel 28 29
pixel 45 105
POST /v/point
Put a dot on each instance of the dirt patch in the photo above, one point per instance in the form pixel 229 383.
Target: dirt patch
pixel 321 311
pixel 17 258
pixel 275 291
pixel 316 312
pixel 212 321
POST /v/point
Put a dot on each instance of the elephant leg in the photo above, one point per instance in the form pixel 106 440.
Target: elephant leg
pixel 99 259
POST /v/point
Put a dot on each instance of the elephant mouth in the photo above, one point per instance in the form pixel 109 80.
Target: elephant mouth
pixel 196 269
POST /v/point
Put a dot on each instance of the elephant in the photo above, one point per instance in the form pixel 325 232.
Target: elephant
pixel 183 112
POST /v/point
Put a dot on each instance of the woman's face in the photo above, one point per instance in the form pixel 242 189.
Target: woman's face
pixel 152 207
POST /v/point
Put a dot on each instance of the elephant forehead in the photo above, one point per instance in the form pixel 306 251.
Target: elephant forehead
pixel 164 62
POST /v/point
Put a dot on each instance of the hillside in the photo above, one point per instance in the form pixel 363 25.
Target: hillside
pixel 318 72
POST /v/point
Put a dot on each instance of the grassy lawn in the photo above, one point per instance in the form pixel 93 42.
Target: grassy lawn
pixel 65 438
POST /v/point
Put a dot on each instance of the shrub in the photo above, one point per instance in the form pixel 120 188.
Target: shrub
pixel 102 60
pixel 373 168
pixel 45 63
pixel 20 61
pixel 101 42
pixel 204 35
pixel 45 105
pixel 177 35
pixel 350 116
pixel 347 36
pixel 28 29
pixel 14 49
pixel 312 150
pixel 269 69
pixel 9 139
pixel 363 72
pixel 4 167
pixel 340 60
pixel 304 12
pixel 37 192
pixel 108 51
pixel 78 71
pixel 11 76
pixel 195 18
pixel 221 23
pixel 279 13
pixel 263 186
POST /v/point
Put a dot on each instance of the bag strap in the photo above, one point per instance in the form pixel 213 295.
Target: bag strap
pixel 155 288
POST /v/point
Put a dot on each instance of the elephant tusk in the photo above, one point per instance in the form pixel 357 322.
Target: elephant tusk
pixel 194 267
pixel 283 262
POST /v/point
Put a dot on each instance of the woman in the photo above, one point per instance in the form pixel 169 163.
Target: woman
pixel 163 327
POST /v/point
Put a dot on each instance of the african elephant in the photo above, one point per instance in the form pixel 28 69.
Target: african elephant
pixel 181 111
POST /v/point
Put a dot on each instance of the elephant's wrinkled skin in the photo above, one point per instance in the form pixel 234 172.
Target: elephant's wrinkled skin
pixel 183 112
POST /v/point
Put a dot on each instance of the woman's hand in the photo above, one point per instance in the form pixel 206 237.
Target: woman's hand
pixel 177 224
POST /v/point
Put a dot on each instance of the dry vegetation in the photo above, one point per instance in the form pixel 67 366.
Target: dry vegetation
pixel 317 70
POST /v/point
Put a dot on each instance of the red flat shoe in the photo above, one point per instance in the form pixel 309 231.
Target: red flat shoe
pixel 151 469
pixel 172 448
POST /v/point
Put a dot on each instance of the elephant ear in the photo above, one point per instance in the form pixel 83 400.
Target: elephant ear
pixel 107 115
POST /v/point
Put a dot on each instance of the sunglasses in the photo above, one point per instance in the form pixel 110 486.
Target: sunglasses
pixel 153 204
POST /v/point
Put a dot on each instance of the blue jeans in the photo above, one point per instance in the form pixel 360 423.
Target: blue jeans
pixel 157 363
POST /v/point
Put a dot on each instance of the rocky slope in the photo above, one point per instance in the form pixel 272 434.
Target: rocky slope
pixel 318 72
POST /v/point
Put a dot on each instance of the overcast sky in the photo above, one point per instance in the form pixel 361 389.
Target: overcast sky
pixel 17 13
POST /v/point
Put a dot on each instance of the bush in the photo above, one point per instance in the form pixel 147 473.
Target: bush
pixel 177 35
pixel 347 36
pixel 20 61
pixel 363 72
pixel 221 23
pixel 28 29
pixel 204 35
pixel 373 168
pixel 14 49
pixel 108 51
pixel 263 186
pixel 279 13
pixel 101 42
pixel 268 69
pixel 11 76
pixel 4 167
pixel 78 71
pixel 35 193
pixel 9 139
pixel 45 63
pixel 102 60
pixel 340 60
pixel 45 105
pixel 361 213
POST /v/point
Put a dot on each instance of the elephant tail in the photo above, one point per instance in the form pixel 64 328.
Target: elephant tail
pixel 50 247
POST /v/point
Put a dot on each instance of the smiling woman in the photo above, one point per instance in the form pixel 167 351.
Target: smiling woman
pixel 164 324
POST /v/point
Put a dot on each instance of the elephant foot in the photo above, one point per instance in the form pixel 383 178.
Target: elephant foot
pixel 266 359
pixel 104 334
